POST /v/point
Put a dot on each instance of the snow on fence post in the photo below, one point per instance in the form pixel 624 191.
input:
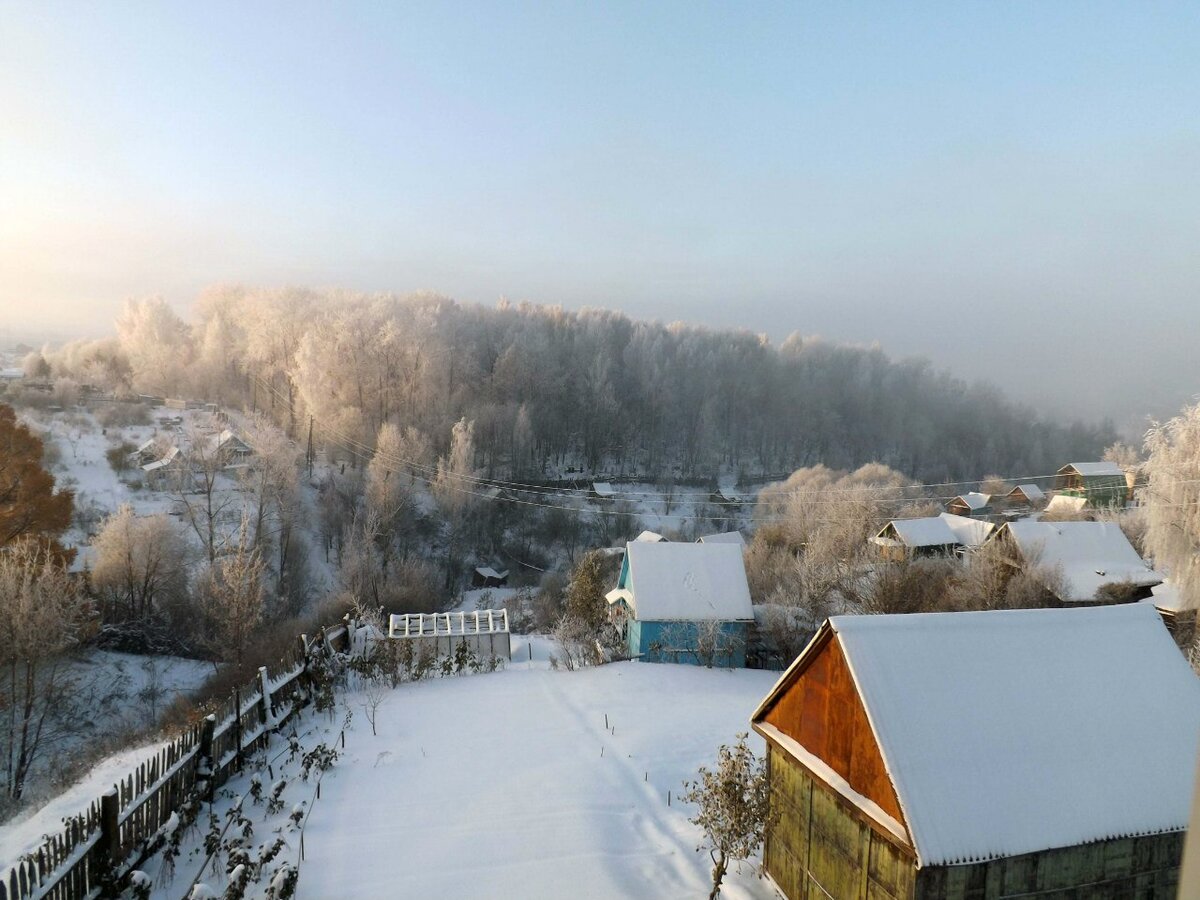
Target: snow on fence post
pixel 110 828
pixel 264 709
pixel 207 729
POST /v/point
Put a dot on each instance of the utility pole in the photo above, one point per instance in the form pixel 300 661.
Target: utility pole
pixel 310 446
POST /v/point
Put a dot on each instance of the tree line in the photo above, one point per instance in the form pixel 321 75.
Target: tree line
pixel 549 390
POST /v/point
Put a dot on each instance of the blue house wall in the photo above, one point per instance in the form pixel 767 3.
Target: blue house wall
pixel 645 640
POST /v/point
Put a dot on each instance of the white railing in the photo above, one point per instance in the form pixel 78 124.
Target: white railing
pixel 414 625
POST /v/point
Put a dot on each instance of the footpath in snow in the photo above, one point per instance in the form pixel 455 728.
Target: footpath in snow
pixel 508 785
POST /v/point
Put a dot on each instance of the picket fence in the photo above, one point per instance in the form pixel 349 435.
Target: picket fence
pixel 122 828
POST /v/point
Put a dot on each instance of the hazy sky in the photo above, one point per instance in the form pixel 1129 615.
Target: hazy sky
pixel 1011 189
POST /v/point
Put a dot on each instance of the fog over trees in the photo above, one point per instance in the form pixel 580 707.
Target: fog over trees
pixel 543 387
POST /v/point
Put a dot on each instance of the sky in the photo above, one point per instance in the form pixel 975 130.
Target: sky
pixel 1011 190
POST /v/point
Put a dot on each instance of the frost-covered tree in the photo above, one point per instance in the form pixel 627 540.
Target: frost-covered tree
pixel 43 614
pixel 139 566
pixel 233 599
pixel 158 344
pixel 1172 501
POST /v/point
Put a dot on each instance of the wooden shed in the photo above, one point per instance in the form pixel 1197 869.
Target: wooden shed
pixel 1025 496
pixel 488 577
pixel 1101 484
pixel 970 504
pixel 1019 753
pixel 902 539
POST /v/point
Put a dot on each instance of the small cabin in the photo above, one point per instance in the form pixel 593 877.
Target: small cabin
pixel 1101 484
pixel 902 539
pixel 487 577
pixel 982 755
pixel 1088 555
pixel 166 472
pixel 683 603
pixel 970 505
pixel 231 449
pixel 1025 496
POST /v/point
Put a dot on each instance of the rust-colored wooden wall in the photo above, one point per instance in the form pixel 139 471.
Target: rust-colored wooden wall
pixel 822 711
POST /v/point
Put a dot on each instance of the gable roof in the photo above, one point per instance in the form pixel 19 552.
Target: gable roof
pixel 998 728
pixel 650 536
pixel 666 582
pixel 928 531
pixel 1030 491
pixel 1091 469
pixel 724 537
pixel 489 572
pixel 974 500
pixel 1090 554
pixel 968 532
pixel 602 488
pixel 1066 503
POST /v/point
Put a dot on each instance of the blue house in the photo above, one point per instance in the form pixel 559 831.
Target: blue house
pixel 684 603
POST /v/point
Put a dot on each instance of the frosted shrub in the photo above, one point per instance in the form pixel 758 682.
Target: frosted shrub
pixel 734 807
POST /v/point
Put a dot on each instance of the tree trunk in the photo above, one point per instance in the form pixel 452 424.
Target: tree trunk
pixel 721 865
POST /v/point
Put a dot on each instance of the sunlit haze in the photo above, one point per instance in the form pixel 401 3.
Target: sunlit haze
pixel 1007 189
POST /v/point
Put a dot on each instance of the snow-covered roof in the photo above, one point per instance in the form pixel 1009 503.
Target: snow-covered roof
pixel 724 537
pixel 968 532
pixel 1066 503
pixel 1031 491
pixel 602 488
pixel 974 499
pixel 489 572
pixel 652 537
pixel 169 457
pixel 928 531
pixel 228 440
pixel 1088 469
pixel 1016 731
pixel 12 374
pixel 686 582
pixel 728 494
pixel 147 445
pixel 1089 554
pixel 1166 597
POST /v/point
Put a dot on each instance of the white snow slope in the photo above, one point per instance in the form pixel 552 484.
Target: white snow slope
pixel 494 785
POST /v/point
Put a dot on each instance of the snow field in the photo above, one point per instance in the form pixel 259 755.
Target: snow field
pixel 508 785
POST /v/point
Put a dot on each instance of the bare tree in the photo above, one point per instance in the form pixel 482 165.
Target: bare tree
pixel 202 495
pixel 43 614
pixel 1173 501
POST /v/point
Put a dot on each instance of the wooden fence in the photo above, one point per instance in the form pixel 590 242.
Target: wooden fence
pixel 121 829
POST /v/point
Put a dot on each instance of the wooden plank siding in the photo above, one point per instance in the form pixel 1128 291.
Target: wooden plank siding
pixel 821 711
pixel 822 846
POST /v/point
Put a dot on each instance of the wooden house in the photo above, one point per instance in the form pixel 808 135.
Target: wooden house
pixel 684 603
pixel 971 504
pixel 231 449
pixel 167 472
pixel 1042 753
pixel 1088 555
pixel 1101 484
pixel 902 539
pixel 1025 496
pixel 487 577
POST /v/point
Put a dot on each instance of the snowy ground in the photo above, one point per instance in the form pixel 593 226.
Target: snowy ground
pixel 129 691
pixel 501 785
